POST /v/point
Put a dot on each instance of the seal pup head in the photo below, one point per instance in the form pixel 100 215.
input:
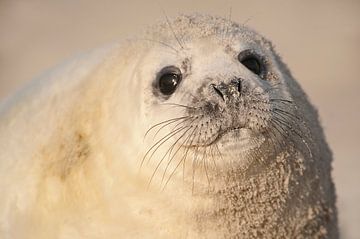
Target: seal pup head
pixel 217 95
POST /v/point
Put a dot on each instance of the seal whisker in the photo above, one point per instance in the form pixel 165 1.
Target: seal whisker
pixel 204 164
pixel 281 100
pixel 165 138
pixel 284 117
pixel 218 150
pixel 177 150
pixel 175 128
pixel 223 32
pixel 182 158
pixel 281 125
pixel 163 122
pixel 284 112
pixel 270 136
pixel 277 84
pixel 194 160
pixel 168 152
pixel 247 20
pixel 181 122
pixel 161 43
pixel 180 105
pixel 292 129
pixel 187 152
pixel 203 159
pixel 284 122
pixel 172 30
pixel 270 90
pixel 273 88
pixel 280 131
pixel 279 143
pixel 193 165
pixel 212 155
pixel 226 26
pixel 287 136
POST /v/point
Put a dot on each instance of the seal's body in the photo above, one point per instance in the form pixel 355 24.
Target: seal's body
pixel 196 129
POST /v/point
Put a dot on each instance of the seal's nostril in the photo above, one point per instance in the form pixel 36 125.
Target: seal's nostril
pixel 218 91
pixel 238 84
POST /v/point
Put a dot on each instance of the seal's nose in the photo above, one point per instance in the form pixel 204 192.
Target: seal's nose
pixel 220 90
pixel 226 91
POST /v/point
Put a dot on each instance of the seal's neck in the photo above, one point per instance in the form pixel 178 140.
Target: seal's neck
pixel 268 201
pixel 276 197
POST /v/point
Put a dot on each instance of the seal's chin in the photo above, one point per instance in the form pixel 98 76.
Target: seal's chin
pixel 240 140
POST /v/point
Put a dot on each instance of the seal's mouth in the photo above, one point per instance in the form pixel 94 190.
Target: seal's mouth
pixel 235 131
pixel 239 138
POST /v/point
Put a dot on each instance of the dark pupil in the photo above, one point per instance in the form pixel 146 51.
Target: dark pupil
pixel 168 83
pixel 252 64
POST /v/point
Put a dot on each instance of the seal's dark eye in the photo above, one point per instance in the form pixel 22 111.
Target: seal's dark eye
pixel 168 83
pixel 253 62
pixel 168 80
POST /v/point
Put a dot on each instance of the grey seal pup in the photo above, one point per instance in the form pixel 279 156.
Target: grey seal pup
pixel 194 129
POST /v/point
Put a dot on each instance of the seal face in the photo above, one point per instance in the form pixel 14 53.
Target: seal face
pixel 224 109
pixel 230 99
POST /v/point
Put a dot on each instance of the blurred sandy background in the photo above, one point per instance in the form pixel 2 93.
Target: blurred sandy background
pixel 319 40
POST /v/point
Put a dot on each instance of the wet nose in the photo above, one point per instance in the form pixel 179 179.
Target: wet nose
pixel 226 91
